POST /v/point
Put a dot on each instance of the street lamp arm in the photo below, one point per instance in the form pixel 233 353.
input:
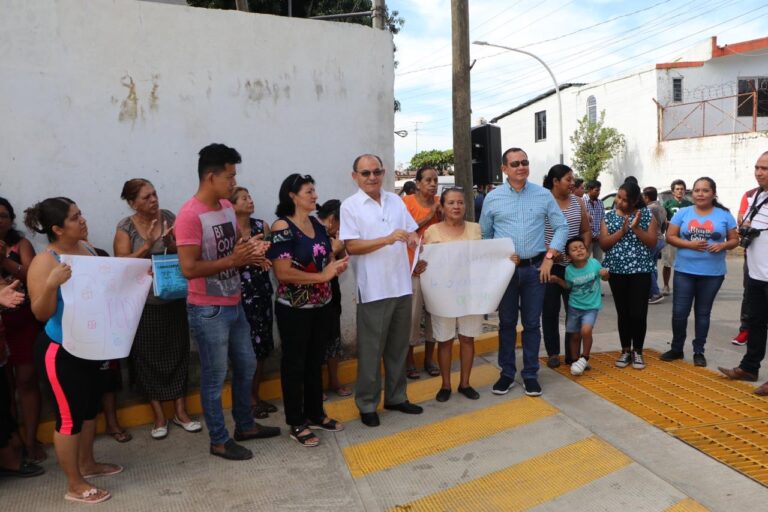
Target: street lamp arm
pixel 554 80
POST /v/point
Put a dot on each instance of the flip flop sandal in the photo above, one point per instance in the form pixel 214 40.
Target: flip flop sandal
pixel 412 373
pixel 117 469
pixel 260 412
pixel 308 440
pixel 121 436
pixel 267 406
pixel 26 470
pixel 432 369
pixel 331 426
pixel 92 495
pixel 343 391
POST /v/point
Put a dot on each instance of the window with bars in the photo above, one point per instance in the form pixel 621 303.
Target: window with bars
pixel 746 104
pixel 541 125
pixel 592 109
pixel 677 89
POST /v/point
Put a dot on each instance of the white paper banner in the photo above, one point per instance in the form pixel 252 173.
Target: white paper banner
pixel 467 277
pixel 103 301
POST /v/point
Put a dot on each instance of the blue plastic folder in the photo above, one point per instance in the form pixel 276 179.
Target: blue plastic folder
pixel 169 283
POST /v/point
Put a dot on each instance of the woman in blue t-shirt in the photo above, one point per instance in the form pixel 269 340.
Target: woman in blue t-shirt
pixel 702 233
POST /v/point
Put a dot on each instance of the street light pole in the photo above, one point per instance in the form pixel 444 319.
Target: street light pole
pixel 557 87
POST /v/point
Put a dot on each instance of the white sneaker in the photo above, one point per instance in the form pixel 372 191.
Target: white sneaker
pixel 638 363
pixel 578 367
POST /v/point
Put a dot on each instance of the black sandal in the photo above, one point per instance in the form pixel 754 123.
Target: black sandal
pixel 331 425
pixel 308 440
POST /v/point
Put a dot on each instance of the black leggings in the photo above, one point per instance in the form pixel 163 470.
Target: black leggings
pixel 630 295
pixel 304 335
pixel 74 383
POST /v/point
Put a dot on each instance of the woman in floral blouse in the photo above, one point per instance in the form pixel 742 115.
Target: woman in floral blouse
pixel 256 291
pixel 303 262
pixel 628 237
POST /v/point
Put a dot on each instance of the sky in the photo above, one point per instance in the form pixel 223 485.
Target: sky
pixel 580 40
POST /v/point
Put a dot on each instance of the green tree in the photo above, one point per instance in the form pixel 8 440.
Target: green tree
pixel 309 8
pixel 439 160
pixel 594 144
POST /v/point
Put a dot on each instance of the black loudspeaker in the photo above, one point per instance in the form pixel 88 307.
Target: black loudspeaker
pixel 486 154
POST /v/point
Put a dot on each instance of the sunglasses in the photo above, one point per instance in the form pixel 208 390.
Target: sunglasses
pixel 518 163
pixel 303 179
pixel 367 174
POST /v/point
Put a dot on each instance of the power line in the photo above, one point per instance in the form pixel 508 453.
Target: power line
pixel 506 101
pixel 596 24
pixel 580 49
pixel 445 47
pixel 584 52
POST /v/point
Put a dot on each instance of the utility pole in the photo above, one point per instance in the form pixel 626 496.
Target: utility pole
pixel 242 5
pixel 462 138
pixel 378 14
pixel 416 133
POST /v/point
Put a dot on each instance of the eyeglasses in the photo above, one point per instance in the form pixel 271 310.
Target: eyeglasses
pixel 367 174
pixel 304 179
pixel 456 188
pixel 518 163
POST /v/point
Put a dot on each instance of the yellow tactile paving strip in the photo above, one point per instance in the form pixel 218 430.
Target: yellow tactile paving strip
pixel 687 505
pixel 418 391
pixel 530 483
pixel 720 417
pixel 415 443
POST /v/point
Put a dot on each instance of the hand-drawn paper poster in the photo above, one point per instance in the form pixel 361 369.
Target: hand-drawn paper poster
pixel 103 301
pixel 466 277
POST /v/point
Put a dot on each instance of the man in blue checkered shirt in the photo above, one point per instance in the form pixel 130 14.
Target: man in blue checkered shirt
pixel 518 209
pixel 596 211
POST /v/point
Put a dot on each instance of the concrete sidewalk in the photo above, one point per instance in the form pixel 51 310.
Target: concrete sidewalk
pixel 569 449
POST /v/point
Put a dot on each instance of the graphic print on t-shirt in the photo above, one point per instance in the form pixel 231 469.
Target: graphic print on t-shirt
pixel 702 231
pixel 218 242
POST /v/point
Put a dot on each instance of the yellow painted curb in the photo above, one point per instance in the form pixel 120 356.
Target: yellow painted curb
pixel 140 413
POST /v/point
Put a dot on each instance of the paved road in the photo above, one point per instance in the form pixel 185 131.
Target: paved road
pixel 570 449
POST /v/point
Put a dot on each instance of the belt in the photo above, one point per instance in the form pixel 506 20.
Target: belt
pixel 531 261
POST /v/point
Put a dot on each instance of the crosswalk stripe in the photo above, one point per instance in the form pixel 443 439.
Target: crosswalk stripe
pixel 687 505
pixel 530 483
pixel 415 443
pixel 419 391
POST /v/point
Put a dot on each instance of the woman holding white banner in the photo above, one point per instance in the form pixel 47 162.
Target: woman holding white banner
pixel 160 351
pixel 454 228
pixel 73 381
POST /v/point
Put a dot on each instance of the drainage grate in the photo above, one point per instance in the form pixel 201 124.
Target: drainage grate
pixel 720 417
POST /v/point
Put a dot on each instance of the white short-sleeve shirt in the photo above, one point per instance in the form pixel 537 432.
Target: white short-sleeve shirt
pixel 384 273
pixel 757 252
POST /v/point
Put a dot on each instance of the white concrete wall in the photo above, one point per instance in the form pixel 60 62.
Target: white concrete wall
pixel 94 92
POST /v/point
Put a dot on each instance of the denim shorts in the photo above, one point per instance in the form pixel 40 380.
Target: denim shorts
pixel 578 317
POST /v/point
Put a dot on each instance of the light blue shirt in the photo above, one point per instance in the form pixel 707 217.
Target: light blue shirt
pixel 520 216
pixel 712 228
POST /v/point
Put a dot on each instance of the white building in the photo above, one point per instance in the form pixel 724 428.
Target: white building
pixel 693 117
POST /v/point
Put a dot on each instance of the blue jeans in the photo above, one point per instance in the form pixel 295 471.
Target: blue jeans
pixel 687 288
pixel 524 294
pixel 223 332
pixel 655 274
